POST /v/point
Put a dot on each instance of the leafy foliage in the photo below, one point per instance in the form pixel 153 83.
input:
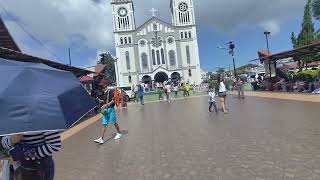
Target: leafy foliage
pixel 107 59
pixel 221 71
pixel 316 9
pixel 307 35
pixel 243 69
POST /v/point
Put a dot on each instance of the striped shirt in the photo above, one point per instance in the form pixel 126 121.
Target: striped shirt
pixel 45 143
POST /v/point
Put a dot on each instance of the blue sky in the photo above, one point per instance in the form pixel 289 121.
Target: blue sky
pixel 248 42
pixel 86 27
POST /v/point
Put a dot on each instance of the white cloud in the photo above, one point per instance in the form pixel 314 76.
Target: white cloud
pixel 89 22
pixel 94 61
pixel 273 26
pixel 59 21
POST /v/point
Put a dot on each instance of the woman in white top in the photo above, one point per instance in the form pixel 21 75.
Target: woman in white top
pixel 222 93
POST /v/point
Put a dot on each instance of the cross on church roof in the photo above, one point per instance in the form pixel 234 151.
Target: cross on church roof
pixel 153 10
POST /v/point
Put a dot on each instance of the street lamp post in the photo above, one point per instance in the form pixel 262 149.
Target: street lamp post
pixel 231 51
pixel 267 33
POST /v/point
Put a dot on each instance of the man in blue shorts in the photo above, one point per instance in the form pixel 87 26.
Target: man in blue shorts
pixel 109 117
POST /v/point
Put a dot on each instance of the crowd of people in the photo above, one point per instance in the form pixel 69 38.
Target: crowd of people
pixel 307 84
pixel 165 90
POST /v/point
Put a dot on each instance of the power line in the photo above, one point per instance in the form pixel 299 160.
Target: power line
pixel 28 33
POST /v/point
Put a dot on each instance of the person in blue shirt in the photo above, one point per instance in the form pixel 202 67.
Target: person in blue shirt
pixel 141 93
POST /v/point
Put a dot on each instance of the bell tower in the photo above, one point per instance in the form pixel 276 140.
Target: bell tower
pixel 123 15
pixel 182 12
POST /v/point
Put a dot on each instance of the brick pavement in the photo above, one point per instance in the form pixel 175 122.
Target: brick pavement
pixel 260 139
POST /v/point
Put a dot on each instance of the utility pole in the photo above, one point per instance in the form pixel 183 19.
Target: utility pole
pixel 69 56
pixel 267 33
pixel 231 51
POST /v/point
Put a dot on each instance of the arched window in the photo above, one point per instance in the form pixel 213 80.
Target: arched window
pixel 188 54
pixel 154 57
pixel 186 35
pixel 190 34
pixel 129 40
pixel 158 57
pixel 144 60
pixel 130 79
pixel 125 40
pixel 172 58
pixel 121 40
pixel 162 56
pixel 155 27
pixel 181 35
pixel 128 60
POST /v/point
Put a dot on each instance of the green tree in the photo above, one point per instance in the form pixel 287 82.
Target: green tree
pixel 316 9
pixel 108 60
pixel 306 36
pixel 244 68
pixel 221 71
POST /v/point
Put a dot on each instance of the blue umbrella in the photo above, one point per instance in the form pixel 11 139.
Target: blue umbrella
pixel 36 97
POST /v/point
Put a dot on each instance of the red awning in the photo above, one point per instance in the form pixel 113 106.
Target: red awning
pixel 100 68
pixel 85 78
pixel 302 51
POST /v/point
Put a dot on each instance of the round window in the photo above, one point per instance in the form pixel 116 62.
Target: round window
pixel 183 6
pixel 170 40
pixel 143 43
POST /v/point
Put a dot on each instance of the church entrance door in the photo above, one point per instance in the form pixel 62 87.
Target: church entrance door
pixel 175 77
pixel 161 77
pixel 146 79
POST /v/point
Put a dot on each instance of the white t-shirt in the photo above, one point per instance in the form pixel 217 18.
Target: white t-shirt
pixel 168 88
pixel 222 87
pixel 175 88
pixel 211 96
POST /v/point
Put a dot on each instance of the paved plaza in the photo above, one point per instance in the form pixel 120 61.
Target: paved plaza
pixel 260 139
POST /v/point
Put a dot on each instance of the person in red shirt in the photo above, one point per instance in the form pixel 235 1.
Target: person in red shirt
pixel 117 97
pixel 123 98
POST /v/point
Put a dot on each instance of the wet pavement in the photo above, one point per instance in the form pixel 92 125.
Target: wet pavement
pixel 260 139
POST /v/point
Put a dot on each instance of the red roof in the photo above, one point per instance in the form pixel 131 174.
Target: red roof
pixel 301 51
pixel 100 68
pixel 85 78
pixel 264 53
pixel 313 64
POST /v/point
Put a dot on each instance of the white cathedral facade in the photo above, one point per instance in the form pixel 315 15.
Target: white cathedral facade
pixel 156 51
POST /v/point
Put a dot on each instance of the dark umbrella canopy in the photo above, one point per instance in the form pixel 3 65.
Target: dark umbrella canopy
pixel 36 97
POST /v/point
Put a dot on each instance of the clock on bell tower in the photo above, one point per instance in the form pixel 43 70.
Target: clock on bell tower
pixel 123 15
pixel 182 12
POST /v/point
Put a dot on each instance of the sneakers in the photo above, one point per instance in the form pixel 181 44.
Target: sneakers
pixel 100 140
pixel 118 136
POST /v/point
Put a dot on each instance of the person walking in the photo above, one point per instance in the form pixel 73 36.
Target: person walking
pixel 212 101
pixel 240 85
pixel 168 92
pixel 109 114
pixel 141 94
pixel 117 96
pixel 123 98
pixel 222 94
pixel 33 151
pixel 175 89
pixel 187 89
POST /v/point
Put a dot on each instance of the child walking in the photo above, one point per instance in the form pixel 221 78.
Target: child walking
pixel 212 101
